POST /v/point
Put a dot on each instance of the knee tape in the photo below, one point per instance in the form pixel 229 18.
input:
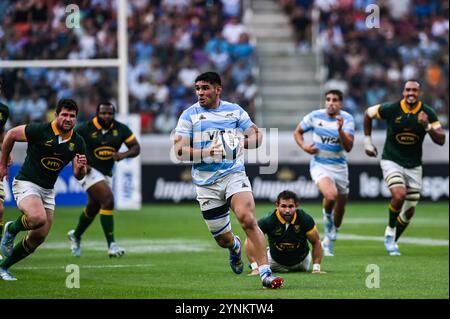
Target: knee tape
pixel 395 179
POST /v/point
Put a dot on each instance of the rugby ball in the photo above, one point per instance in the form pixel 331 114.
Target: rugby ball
pixel 230 144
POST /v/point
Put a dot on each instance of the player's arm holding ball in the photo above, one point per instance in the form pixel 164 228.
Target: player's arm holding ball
pixel 252 137
pixel 184 150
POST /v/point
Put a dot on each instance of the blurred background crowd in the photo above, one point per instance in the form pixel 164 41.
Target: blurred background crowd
pixel 170 42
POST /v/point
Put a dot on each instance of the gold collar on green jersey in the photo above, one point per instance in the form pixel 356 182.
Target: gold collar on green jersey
pixel 97 124
pixel 56 131
pixel 282 220
pixel 406 109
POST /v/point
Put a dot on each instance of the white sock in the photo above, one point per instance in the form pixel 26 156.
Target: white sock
pixel 328 215
pixel 236 246
pixel 264 271
pixel 389 231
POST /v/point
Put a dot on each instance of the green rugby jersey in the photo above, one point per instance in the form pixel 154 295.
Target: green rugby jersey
pixel 288 245
pixel 404 134
pixel 4 114
pixel 46 156
pixel 101 144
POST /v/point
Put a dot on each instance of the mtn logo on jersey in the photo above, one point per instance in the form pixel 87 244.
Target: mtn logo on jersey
pixel 407 138
pixel 52 163
pixel 284 246
pixel 329 140
pixel 104 153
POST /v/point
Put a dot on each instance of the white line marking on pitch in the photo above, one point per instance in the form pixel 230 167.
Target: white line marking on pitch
pixel 142 245
pixel 421 221
pixel 88 266
pixel 402 240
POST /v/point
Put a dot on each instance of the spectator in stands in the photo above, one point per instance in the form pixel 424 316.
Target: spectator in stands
pixel 36 108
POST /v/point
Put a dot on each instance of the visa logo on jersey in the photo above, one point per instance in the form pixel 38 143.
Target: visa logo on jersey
pixel 329 140
pixel 407 138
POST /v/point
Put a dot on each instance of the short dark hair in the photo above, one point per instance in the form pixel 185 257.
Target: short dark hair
pixel 286 194
pixel 413 80
pixel 105 103
pixel 210 77
pixel 336 92
pixel 68 104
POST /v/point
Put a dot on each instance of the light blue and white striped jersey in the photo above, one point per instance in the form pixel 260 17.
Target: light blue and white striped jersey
pixel 326 136
pixel 204 126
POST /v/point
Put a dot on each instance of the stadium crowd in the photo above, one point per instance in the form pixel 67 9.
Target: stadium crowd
pixel 371 64
pixel 172 41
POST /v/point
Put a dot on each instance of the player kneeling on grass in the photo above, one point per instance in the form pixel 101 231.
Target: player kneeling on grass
pixel 289 229
pixel 51 146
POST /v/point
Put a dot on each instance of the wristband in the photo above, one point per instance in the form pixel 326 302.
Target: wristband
pixel 368 143
pixel 316 268
pixel 428 128
pixel 367 140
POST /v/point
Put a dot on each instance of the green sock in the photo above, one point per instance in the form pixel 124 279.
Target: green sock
pixel 83 223
pixel 19 225
pixel 400 227
pixel 20 251
pixel 107 221
pixel 393 214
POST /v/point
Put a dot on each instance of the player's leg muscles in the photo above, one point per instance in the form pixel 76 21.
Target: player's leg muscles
pixel 92 207
pixel 87 216
pixel 413 187
pixel 36 237
pixel 329 191
pixel 339 209
pixel 100 194
pixel 243 206
pixel 225 240
pixel 34 215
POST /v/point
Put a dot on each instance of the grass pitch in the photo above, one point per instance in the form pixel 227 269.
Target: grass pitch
pixel 170 255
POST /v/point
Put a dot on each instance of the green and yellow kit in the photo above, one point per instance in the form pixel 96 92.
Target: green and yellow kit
pixel 404 134
pixel 48 154
pixel 287 241
pixel 101 143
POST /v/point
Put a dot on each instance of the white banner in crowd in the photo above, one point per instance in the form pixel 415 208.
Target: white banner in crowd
pixel 127 175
